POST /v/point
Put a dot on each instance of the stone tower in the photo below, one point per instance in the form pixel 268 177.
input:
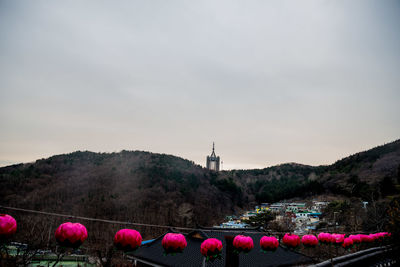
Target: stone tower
pixel 213 161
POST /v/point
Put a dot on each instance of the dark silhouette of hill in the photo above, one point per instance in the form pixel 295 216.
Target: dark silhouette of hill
pixel 370 174
pixel 163 189
pixel 130 186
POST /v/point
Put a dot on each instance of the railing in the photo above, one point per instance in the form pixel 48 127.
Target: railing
pixel 378 256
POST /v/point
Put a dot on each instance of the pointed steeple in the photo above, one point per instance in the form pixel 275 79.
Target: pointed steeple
pixel 212 160
pixel 213 151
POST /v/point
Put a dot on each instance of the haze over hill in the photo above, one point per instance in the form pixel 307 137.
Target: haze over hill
pixel 157 188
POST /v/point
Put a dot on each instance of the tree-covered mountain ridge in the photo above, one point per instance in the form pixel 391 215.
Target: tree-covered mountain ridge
pixel 164 189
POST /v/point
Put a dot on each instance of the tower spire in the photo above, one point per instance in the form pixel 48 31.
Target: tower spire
pixel 213 151
pixel 212 160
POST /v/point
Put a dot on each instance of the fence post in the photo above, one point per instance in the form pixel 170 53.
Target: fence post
pixel 231 258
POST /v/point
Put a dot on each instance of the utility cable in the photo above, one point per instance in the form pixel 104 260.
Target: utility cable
pixel 127 223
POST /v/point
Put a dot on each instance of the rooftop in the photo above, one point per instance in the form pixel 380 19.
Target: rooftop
pixel 191 256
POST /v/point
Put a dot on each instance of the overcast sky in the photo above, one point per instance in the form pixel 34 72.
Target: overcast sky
pixel 269 81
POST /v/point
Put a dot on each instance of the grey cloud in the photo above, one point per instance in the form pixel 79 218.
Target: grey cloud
pixel 269 81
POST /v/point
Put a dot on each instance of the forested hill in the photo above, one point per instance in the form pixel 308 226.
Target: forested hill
pixel 157 188
pixel 374 173
pixel 130 186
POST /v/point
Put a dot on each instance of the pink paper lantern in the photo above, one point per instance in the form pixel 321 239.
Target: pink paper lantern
pixel 173 243
pixel 356 239
pixel 291 240
pixel 374 237
pixel 127 239
pixel 211 248
pixel 338 238
pixel 243 243
pixel 8 226
pixel 366 238
pixel 381 236
pixel 309 240
pixel 71 234
pixel 269 243
pixel 347 243
pixel 325 238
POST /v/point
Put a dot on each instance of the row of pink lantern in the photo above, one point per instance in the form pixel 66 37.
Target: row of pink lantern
pixel 347 242
pixel 291 240
pixel 74 234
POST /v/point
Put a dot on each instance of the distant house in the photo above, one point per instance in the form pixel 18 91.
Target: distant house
pixel 247 215
pixel 151 254
pixel 315 214
pixel 302 214
pixel 277 207
pixel 261 209
pixel 296 204
pixel 233 224
pixel 319 205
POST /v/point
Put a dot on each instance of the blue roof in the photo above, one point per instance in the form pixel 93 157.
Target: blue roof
pixel 147 241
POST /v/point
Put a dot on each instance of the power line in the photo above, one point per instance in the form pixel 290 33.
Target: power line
pixel 121 222
pixel 91 219
pixel 230 230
